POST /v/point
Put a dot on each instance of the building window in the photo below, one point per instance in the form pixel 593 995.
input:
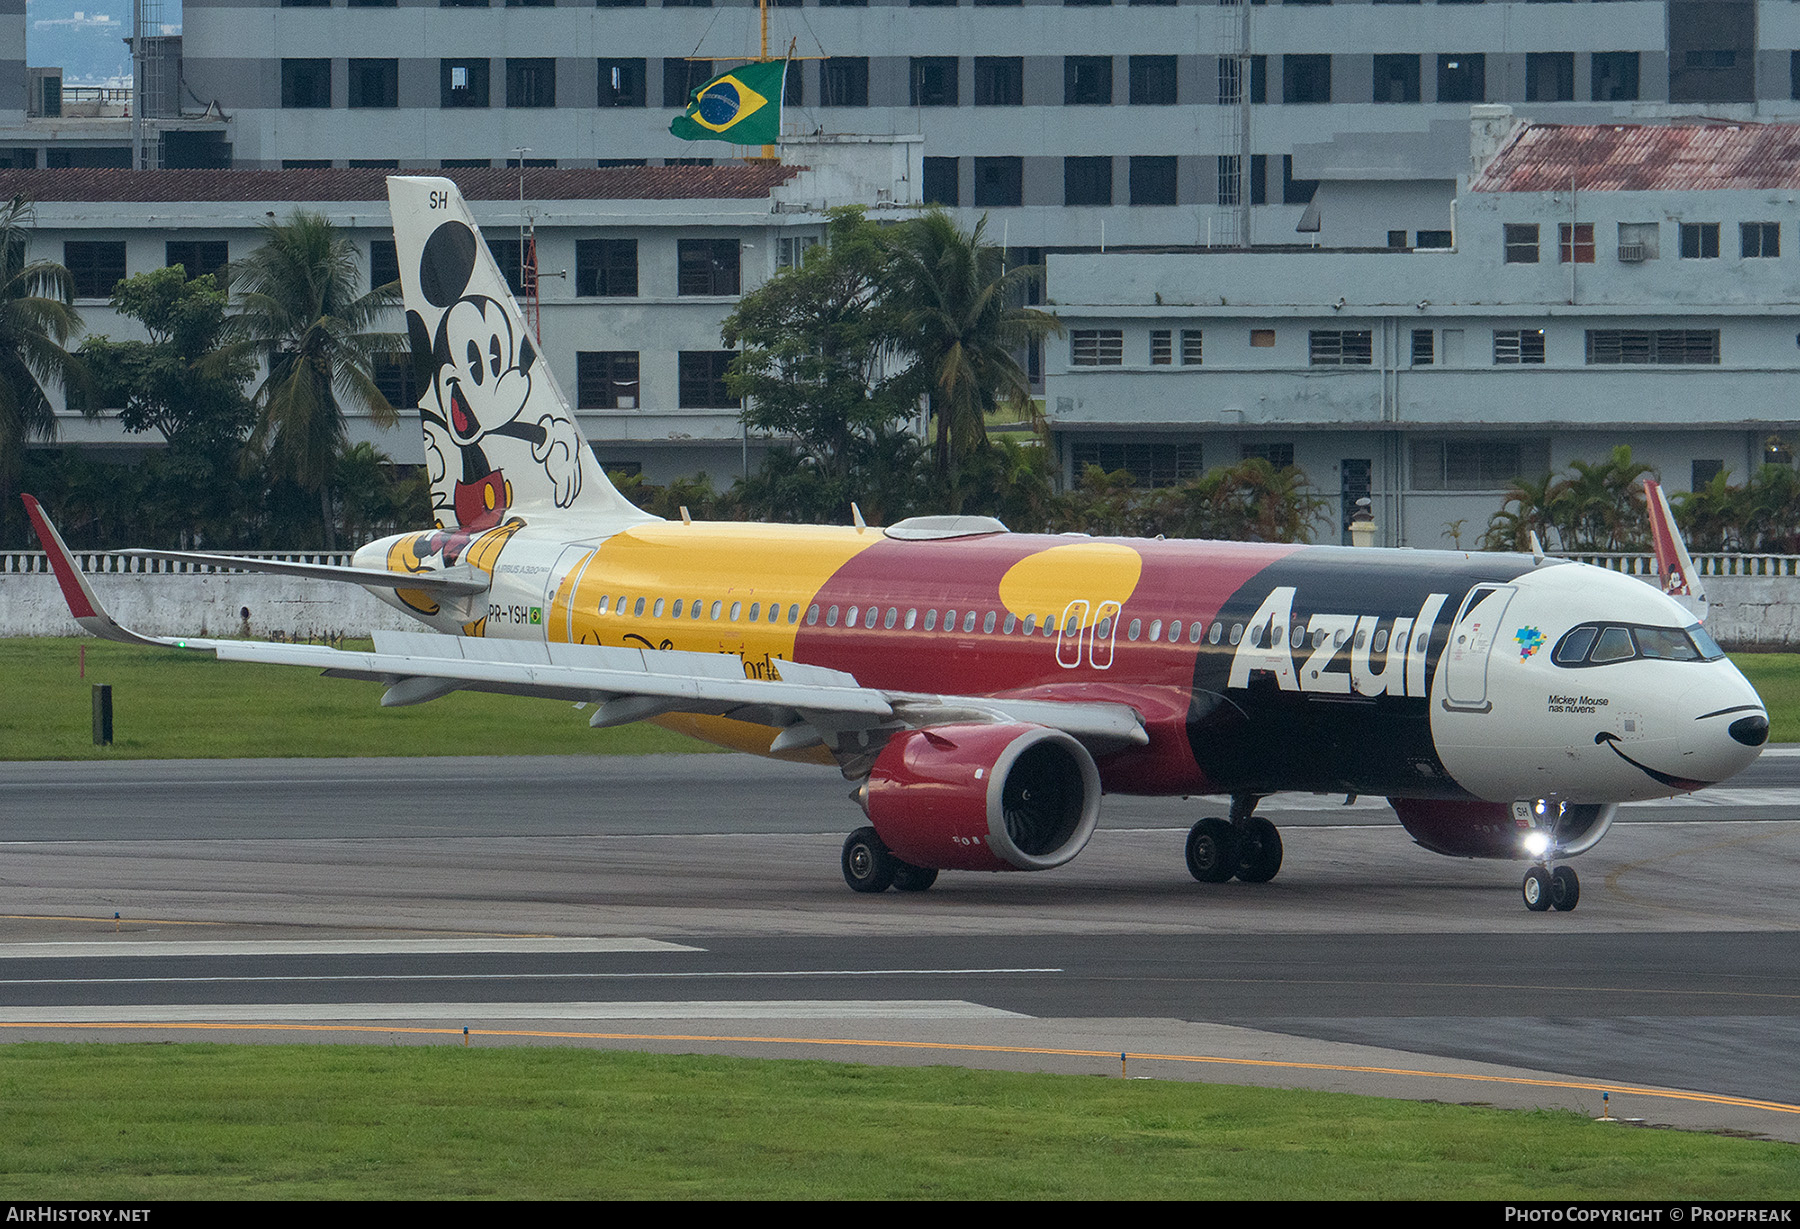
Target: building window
pixel 1759 240
pixel 1162 347
pixel 1462 78
pixel 999 81
pixel 198 258
pixel 1397 239
pixel 1295 191
pixel 1305 78
pixel 1476 465
pixel 1639 241
pixel 531 83
pixel 622 83
pixel 397 376
pixel 463 83
pixel 1702 472
pixel 1152 80
pixel 606 380
pixel 1279 455
pixel 682 77
pixel 509 254
pixel 1087 181
pixel 707 266
pixel 94 267
pixel 844 82
pixel 1096 347
pixel 1342 347
pixel 703 380
pixel 306 83
pixel 1575 242
pixel 1396 78
pixel 940 181
pixel 1151 465
pixel 1699 240
pixel 1794 75
pixel 1550 76
pixel 1433 239
pixel 1152 179
pixel 384 262
pixel 606 268
pixel 1193 349
pixel 934 81
pixel 1614 76
pixel 999 181
pixel 1667 347
pixel 1424 352
pixel 1262 339
pixel 1521 244
pixel 1087 80
pixel 374 83
pixel 791 254
pixel 1515 346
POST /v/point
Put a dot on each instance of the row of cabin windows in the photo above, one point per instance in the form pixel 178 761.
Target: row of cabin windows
pixel 998 81
pixel 1356 347
pixel 97 266
pixel 1640 241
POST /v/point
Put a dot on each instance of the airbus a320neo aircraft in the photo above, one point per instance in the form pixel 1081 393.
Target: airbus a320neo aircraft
pixel 983 689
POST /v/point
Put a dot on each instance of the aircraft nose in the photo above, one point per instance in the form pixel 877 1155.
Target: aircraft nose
pixel 1751 731
pixel 1728 725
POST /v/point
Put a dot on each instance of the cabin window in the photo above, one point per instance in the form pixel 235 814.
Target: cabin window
pixel 637 610
pixel 1237 632
pixel 794 613
pixel 694 608
pixel 1011 621
pixel 1381 639
pixel 675 610
pixel 1104 630
pixel 1194 634
pixel 1155 630
pixel 656 610
pixel 931 620
pixel 755 610
pixel 1131 633
pixel 775 612
pixel 912 617
pixel 893 616
pixel 851 615
pixel 717 606
pixel 1030 624
pixel 831 617
pixel 736 609
pixel 812 614
pixel 987 624
pixel 968 622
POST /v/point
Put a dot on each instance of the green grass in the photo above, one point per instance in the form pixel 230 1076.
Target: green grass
pixel 170 705
pixel 1776 677
pixel 444 1122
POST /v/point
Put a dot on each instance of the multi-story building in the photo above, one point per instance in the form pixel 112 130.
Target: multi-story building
pixel 1603 285
pixel 1080 123
pixel 637 268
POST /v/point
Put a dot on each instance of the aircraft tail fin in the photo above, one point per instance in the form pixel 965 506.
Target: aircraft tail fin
pixel 500 435
pixel 1674 569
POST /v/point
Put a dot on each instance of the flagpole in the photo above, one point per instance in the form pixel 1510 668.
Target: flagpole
pixel 762 9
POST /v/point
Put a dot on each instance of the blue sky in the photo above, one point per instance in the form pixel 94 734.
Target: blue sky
pixel 85 37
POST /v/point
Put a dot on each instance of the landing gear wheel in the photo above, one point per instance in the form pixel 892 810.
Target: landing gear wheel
pixel 1212 850
pixel 1565 888
pixel 1537 889
pixel 868 866
pixel 1259 850
pixel 910 878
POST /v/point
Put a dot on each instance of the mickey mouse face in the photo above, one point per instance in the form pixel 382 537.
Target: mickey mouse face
pixel 482 383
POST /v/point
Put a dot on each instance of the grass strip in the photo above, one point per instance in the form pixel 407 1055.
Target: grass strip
pixel 159 1121
pixel 173 705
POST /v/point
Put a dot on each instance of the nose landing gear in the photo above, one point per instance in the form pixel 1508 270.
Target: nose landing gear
pixel 1558 889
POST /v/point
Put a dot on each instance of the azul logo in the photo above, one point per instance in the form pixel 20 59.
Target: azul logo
pixel 1272 638
pixel 1530 641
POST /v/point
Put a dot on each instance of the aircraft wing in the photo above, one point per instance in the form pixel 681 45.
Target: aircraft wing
pixel 449 581
pixel 809 705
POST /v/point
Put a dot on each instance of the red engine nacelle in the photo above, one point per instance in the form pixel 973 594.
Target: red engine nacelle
pixel 1492 830
pixel 984 797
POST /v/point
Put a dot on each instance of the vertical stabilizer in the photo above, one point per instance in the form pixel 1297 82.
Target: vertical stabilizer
pixel 1674 570
pixel 499 434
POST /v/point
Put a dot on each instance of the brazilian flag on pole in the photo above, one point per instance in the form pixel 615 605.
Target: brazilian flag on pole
pixel 742 106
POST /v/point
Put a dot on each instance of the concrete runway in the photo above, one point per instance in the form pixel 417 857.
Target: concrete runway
pixel 695 903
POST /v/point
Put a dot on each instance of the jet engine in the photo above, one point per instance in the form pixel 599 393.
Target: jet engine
pixel 1501 829
pixel 983 797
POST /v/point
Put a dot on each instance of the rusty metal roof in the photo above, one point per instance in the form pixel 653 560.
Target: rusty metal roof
pixel 370 184
pixel 1643 157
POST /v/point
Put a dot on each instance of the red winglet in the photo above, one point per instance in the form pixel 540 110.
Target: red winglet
pixel 74 585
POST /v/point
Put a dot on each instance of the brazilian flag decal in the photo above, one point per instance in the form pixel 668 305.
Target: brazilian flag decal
pixel 742 106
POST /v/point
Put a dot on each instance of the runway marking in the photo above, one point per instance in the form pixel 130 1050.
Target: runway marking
pixel 1592 1086
pixel 473 945
pixel 545 976
pixel 271 1014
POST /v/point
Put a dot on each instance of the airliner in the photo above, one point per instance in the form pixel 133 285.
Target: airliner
pixel 982 690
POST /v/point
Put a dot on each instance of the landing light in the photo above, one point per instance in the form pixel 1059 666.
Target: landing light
pixel 1536 843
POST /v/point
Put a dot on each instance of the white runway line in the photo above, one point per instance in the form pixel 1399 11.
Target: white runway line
pixel 335 947
pixel 456 1014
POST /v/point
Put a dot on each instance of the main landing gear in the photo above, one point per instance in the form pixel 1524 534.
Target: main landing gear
pixel 869 867
pixel 1245 847
pixel 1558 889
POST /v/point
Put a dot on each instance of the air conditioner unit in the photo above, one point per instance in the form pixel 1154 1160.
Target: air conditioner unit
pixel 44 92
pixel 1632 253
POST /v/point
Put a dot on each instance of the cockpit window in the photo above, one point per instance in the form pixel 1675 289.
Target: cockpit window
pixel 1598 644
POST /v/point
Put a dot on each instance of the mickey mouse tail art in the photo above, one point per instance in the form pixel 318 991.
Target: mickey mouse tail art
pixel 501 440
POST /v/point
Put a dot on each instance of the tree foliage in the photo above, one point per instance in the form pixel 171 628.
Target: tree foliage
pixel 37 318
pixel 1593 506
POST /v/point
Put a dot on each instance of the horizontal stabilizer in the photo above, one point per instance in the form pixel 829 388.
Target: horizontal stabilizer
pixel 455 581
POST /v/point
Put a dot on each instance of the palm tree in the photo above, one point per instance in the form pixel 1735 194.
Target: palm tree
pixel 36 319
pixel 963 323
pixel 299 310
